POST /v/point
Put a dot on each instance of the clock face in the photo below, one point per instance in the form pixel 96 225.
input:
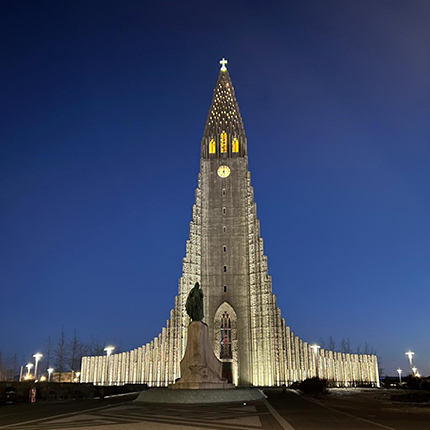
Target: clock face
pixel 223 171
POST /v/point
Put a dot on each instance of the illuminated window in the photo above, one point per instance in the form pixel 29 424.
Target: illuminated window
pixel 235 145
pixel 212 146
pixel 225 333
pixel 223 141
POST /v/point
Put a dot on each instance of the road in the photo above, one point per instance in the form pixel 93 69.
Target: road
pixel 278 412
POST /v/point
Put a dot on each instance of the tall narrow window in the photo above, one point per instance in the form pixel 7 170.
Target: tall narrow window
pixel 212 146
pixel 223 191
pixel 225 269
pixel 225 335
pixel 224 229
pixel 235 145
pixel 225 288
pixel 224 249
pixel 223 141
pixel 223 211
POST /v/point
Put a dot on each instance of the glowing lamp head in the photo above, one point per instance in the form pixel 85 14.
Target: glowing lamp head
pixel 315 348
pixel 109 350
pixel 50 370
pixel 37 356
pixel 410 354
pixel 399 371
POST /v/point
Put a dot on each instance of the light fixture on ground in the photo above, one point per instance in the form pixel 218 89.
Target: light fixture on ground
pixel 399 371
pixel 410 354
pixel 50 370
pixel 315 349
pixel 109 350
pixel 36 357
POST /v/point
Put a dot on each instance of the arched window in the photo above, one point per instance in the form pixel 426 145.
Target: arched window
pixel 225 333
pixel 212 146
pixel 235 145
pixel 223 139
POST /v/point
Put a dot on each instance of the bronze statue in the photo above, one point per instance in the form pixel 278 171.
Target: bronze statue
pixel 194 305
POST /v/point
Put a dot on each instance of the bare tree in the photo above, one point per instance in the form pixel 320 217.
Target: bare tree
pixel 75 353
pixel 97 347
pixel 48 352
pixel 322 343
pixel 61 355
pixel 8 367
pixel 345 346
pixel 331 344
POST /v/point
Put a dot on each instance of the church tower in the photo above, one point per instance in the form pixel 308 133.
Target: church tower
pixel 234 279
pixel 224 253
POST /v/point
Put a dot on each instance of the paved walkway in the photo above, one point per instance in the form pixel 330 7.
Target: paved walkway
pixel 289 412
pixel 255 415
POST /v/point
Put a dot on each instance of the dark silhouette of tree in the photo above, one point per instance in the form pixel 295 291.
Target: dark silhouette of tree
pixel 345 346
pixel 61 355
pixel 48 353
pixel 331 344
pixel 77 351
pixel 97 347
pixel 8 367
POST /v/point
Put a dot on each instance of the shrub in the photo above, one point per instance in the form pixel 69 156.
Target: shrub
pixel 313 386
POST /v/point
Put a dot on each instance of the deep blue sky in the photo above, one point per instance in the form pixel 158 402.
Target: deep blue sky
pixel 102 107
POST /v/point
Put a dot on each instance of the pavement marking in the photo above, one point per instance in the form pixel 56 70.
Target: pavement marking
pixel 69 414
pixel 282 421
pixel 344 413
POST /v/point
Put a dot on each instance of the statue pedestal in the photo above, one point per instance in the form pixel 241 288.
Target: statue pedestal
pixel 200 368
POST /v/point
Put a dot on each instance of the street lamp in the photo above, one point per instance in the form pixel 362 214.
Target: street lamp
pixel 414 369
pixel 36 357
pixel 410 354
pixel 50 370
pixel 399 371
pixel 28 366
pixel 108 350
pixel 315 349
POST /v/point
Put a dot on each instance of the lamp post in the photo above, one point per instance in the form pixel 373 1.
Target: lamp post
pixel 410 354
pixel 36 357
pixel 50 370
pixel 415 370
pixel 108 350
pixel 399 371
pixel 28 366
pixel 315 349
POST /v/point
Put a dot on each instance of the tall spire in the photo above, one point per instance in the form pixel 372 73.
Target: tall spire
pixel 224 134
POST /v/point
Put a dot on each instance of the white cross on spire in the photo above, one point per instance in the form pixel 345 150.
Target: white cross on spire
pixel 223 62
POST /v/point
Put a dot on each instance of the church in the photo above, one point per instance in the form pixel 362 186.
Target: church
pixel 225 254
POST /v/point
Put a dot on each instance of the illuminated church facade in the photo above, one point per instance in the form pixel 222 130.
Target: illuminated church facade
pixel 224 253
